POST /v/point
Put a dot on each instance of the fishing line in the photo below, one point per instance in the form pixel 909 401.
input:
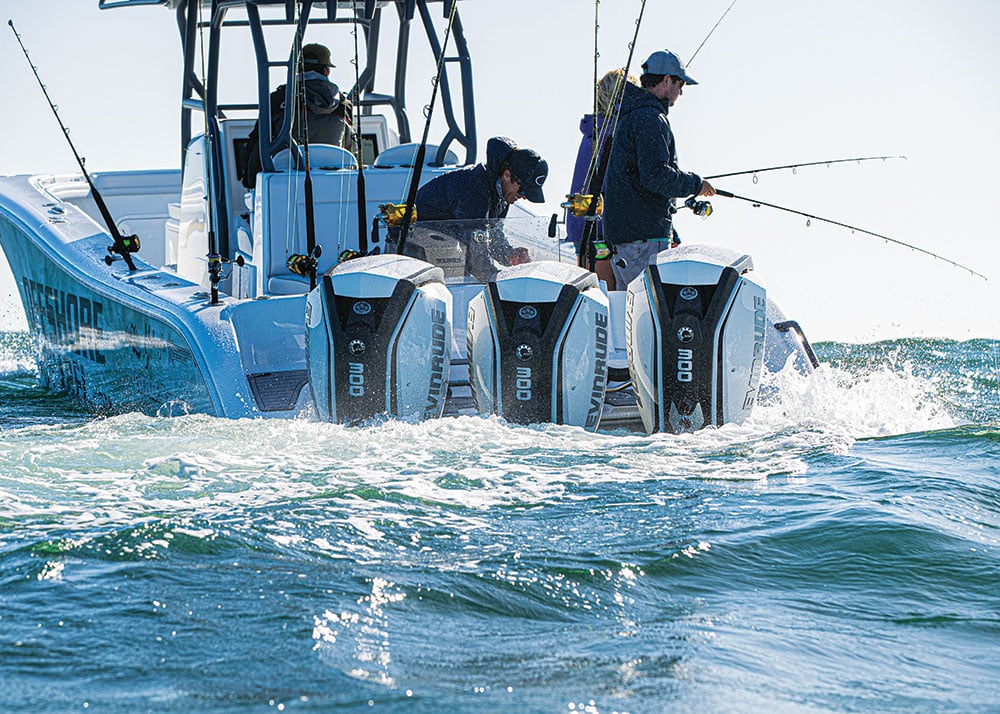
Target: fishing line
pixel 597 54
pixel 584 259
pixel 301 112
pixel 711 32
pixel 602 135
pixel 602 131
pixel 123 245
pixel 603 139
pixel 418 163
pixel 799 166
pixel 812 217
pixel 362 197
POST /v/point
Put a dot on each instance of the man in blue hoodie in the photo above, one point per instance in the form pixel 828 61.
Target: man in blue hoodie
pixel 643 178
pixel 486 192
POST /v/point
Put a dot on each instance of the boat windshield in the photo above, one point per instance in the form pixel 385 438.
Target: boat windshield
pixel 472 251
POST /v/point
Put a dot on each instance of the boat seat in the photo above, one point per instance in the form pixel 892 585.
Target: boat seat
pixel 279 220
pixel 321 157
pixel 279 225
pixel 406 154
pixel 288 284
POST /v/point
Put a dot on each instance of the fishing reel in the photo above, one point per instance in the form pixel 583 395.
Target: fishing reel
pixel 392 214
pixel 123 246
pixel 600 250
pixel 579 204
pixel 304 264
pixel 699 208
pixel 349 254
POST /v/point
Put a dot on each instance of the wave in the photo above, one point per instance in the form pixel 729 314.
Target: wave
pixel 16 359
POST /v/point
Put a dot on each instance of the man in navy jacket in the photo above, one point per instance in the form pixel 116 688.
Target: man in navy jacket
pixel 643 178
pixel 486 191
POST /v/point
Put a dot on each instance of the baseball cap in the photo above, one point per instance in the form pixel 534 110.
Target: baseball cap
pixel 316 54
pixel 532 171
pixel 666 62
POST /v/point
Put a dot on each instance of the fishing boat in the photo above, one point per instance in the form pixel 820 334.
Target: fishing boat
pixel 182 291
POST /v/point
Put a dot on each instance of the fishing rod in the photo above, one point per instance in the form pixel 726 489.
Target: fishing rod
pixel 799 166
pixel 311 259
pixel 811 217
pixel 362 197
pixel 214 258
pixel 418 162
pixel 597 54
pixel 123 245
pixel 594 188
pixel 711 32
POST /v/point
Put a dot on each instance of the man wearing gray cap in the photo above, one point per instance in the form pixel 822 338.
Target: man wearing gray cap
pixel 643 178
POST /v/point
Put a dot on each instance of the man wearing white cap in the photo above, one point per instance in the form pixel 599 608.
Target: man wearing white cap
pixel 643 178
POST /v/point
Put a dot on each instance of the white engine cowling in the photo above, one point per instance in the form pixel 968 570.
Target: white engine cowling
pixel 695 333
pixel 378 332
pixel 538 345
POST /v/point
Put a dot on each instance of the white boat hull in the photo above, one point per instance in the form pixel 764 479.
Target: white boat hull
pixel 151 341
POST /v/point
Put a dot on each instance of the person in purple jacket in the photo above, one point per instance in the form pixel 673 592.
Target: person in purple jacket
pixel 607 89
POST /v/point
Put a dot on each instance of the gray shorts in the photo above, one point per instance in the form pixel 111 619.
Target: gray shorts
pixel 630 259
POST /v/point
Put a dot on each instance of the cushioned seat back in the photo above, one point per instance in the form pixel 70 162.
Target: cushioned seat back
pixel 406 154
pixel 321 157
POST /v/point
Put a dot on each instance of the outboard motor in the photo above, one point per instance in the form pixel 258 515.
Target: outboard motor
pixel 695 332
pixel 378 332
pixel 538 345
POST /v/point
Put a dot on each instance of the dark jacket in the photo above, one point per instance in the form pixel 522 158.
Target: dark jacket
pixel 470 192
pixel 328 117
pixel 643 178
pixel 473 193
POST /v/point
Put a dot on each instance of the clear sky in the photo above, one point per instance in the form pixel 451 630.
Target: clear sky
pixel 781 81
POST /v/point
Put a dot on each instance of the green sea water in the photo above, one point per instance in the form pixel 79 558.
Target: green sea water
pixel 839 552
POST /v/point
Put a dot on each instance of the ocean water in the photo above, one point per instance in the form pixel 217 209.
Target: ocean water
pixel 839 552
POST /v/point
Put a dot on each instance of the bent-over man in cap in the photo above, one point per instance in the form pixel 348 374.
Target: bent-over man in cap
pixel 486 191
pixel 643 178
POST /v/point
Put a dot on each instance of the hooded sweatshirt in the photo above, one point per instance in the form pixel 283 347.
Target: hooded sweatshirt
pixel 328 119
pixel 325 116
pixel 643 178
